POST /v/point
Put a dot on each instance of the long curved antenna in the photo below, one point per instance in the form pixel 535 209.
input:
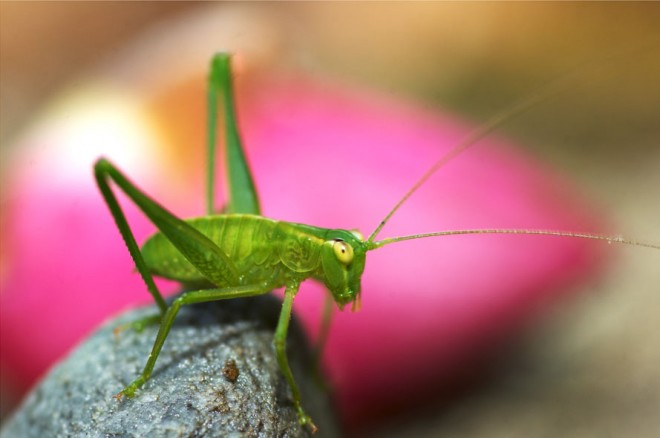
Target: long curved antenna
pixel 608 239
pixel 502 117
pixel 490 125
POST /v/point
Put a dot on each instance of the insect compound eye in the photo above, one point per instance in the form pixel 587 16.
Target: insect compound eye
pixel 343 251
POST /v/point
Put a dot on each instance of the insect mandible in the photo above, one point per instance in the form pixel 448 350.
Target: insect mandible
pixel 240 253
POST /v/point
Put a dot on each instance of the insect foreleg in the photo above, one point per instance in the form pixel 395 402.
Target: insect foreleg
pixel 280 349
pixel 192 297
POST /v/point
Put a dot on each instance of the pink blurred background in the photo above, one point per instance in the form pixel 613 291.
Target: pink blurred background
pixel 602 133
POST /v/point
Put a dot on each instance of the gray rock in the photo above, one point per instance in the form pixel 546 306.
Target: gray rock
pixel 217 375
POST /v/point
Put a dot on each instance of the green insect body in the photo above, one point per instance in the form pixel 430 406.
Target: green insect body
pixel 242 254
pixel 268 252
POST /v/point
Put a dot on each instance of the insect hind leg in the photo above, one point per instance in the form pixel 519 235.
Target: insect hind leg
pixel 101 173
pixel 198 249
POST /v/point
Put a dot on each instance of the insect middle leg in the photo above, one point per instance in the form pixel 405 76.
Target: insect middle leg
pixel 192 297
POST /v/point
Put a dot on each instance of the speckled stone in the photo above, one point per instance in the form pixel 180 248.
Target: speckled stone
pixel 216 376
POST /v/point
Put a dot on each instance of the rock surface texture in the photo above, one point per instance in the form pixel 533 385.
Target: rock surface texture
pixel 217 375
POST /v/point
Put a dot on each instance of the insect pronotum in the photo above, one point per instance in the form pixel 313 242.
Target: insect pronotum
pixel 274 254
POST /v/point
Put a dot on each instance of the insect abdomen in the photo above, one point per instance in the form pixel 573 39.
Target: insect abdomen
pixel 247 240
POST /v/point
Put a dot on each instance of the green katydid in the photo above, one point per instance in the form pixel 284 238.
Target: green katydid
pixel 240 253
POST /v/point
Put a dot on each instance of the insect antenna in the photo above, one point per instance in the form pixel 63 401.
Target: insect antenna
pixel 495 122
pixel 593 236
pixel 473 137
pixel 541 94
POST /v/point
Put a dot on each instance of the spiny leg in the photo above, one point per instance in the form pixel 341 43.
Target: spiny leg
pixel 127 235
pixel 194 246
pixel 198 249
pixel 242 193
pixel 192 297
pixel 280 350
